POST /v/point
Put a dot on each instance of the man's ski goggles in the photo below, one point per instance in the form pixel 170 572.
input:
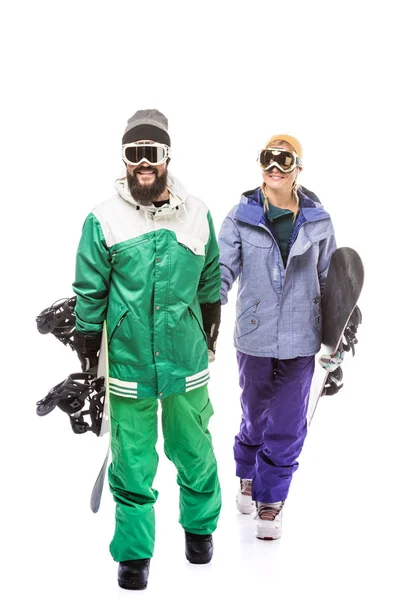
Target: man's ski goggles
pixel 282 159
pixel 152 153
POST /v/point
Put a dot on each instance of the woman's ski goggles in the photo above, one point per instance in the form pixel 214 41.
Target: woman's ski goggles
pixel 282 159
pixel 152 153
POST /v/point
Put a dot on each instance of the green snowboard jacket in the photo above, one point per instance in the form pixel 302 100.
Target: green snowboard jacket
pixel 146 270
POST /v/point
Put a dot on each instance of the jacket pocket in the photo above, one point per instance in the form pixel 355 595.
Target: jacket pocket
pixel 188 338
pixel 199 322
pixel 114 322
pixel 256 236
pixel 248 321
pixel 119 250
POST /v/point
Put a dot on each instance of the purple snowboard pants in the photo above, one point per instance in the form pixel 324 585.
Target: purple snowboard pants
pixel 274 403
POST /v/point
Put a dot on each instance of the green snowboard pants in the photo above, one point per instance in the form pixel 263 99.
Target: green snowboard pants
pixel 187 443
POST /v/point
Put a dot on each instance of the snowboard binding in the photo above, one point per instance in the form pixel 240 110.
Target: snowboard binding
pixel 332 363
pixel 59 319
pixel 351 331
pixel 333 382
pixel 71 396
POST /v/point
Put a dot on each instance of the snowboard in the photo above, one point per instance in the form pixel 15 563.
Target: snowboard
pixel 102 371
pixel 342 290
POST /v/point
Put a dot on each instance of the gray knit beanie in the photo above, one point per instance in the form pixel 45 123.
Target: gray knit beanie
pixel 148 124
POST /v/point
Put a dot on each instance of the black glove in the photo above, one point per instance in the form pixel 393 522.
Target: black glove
pixel 87 346
pixel 350 333
pixel 333 382
pixel 211 313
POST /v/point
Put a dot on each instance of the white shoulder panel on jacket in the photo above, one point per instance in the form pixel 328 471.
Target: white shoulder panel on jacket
pixel 122 218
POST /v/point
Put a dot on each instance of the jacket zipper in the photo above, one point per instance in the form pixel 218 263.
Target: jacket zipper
pixel 279 250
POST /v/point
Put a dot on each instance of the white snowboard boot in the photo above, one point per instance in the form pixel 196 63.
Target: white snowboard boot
pixel 269 520
pixel 244 502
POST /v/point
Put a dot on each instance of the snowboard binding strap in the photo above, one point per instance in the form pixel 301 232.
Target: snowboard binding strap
pixel 71 396
pixel 351 331
pixel 59 319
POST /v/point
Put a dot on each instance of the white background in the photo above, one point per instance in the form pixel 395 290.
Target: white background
pixel 228 75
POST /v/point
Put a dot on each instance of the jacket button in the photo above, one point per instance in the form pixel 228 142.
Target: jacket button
pixel 160 394
pixel 158 259
pixel 157 308
pixel 253 322
pixel 157 353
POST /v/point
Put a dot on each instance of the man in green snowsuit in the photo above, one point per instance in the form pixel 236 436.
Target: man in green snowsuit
pixel 148 264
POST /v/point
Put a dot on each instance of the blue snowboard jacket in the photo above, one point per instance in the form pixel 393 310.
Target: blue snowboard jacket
pixel 278 310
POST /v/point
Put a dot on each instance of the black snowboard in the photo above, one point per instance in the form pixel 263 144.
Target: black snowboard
pixel 342 290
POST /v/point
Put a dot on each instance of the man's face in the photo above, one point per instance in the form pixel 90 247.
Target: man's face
pixel 146 181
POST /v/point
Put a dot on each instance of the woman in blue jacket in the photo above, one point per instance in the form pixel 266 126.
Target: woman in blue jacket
pixel 278 242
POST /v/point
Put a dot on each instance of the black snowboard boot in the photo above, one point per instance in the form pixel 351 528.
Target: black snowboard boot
pixel 133 574
pixel 199 548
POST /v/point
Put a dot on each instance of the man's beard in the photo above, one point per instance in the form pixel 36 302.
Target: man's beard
pixel 147 194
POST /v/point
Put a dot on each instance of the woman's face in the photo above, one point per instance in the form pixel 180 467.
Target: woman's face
pixel 274 178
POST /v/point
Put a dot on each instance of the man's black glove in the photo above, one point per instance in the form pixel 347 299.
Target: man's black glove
pixel 211 313
pixel 87 346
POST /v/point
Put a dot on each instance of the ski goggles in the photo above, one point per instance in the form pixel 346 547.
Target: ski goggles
pixel 282 159
pixel 152 153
